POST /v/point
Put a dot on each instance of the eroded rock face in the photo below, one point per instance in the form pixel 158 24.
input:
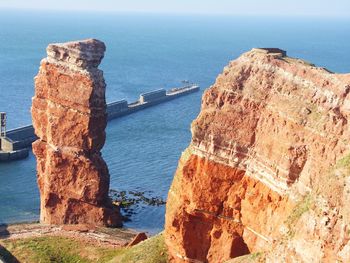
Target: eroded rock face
pixel 268 166
pixel 69 117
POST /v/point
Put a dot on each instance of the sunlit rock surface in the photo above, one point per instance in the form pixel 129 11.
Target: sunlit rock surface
pixel 268 166
pixel 69 117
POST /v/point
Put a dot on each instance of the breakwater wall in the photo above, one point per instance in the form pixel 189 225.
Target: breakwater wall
pixel 17 142
pixel 121 108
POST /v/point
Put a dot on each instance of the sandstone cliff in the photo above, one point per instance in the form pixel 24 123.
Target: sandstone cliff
pixel 69 117
pixel 268 166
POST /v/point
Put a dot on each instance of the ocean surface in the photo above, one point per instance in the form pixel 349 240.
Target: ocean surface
pixel 144 52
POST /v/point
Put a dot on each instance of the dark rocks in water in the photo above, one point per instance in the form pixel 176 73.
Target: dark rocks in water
pixel 128 201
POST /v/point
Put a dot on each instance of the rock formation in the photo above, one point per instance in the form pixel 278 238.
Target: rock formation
pixel 69 117
pixel 268 166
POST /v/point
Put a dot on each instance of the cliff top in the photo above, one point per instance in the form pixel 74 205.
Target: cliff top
pixel 312 99
pixel 273 50
pixel 281 55
pixel 84 54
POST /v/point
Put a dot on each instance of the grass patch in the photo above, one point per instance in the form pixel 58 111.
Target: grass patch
pixel 301 208
pixel 255 256
pixel 55 249
pixel 152 250
pixel 344 163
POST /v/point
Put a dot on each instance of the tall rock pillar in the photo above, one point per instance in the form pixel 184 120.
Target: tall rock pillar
pixel 69 117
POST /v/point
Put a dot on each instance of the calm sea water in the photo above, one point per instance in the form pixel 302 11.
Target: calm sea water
pixel 144 52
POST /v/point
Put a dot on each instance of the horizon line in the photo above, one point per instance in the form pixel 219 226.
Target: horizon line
pixel 158 12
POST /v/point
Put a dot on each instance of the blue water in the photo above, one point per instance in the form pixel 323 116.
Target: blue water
pixel 144 52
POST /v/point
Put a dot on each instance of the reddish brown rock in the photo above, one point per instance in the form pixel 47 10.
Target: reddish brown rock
pixel 69 117
pixel 268 166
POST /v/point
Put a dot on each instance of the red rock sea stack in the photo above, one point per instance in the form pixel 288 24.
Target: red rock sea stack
pixel 69 117
pixel 268 166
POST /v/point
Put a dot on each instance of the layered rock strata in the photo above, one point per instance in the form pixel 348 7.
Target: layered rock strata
pixel 69 117
pixel 267 170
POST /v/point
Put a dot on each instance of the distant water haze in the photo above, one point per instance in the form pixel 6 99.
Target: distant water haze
pixel 144 52
pixel 321 8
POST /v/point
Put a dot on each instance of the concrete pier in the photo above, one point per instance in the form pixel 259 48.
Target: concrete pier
pixel 18 141
pixel 16 144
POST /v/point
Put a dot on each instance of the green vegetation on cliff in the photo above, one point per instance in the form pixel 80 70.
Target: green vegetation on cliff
pixel 302 207
pixel 344 163
pixel 68 250
pixel 152 250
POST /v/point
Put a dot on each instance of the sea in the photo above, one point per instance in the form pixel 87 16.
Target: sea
pixel 144 52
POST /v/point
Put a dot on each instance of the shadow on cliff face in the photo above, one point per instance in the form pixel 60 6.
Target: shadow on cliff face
pixel 4 233
pixel 5 255
pixel 201 230
pixel 239 248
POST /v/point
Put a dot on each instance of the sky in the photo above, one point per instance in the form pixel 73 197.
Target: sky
pixel 333 8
